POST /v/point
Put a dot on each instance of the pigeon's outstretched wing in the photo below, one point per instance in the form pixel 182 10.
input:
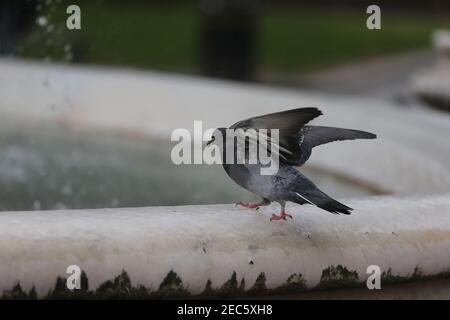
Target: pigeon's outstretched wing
pixel 312 136
pixel 289 123
pixel 296 139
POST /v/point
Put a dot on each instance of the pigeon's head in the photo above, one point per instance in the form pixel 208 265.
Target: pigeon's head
pixel 218 137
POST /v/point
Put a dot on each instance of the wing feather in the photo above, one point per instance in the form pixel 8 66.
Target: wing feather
pixel 289 123
pixel 296 139
pixel 313 136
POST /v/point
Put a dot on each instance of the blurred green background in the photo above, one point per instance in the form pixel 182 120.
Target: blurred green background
pixel 289 37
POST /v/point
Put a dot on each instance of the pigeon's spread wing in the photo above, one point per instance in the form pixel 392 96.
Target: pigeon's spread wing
pixel 289 123
pixel 312 136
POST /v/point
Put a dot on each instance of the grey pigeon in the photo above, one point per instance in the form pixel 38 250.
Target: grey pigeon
pixel 296 140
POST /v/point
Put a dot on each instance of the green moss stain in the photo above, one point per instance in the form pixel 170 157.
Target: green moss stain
pixel 17 293
pixel 295 283
pixel 208 289
pixel 339 276
pixel 417 275
pixel 172 286
pixel 121 287
pixel 388 277
pixel 242 285
pixel 60 290
pixel 260 285
pixel 230 288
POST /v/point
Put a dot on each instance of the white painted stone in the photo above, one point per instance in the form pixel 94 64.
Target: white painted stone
pixel 409 159
pixel 210 242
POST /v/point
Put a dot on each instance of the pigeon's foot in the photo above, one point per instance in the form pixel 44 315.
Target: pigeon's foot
pixel 282 215
pixel 249 205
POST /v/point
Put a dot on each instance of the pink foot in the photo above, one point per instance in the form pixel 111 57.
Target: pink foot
pixel 249 205
pixel 282 215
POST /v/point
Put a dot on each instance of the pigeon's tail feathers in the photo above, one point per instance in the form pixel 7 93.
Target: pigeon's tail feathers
pixel 324 202
pixel 334 206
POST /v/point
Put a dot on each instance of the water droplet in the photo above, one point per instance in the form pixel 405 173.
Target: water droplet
pixel 42 21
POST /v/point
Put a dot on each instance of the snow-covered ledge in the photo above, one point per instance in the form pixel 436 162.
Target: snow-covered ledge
pixel 224 250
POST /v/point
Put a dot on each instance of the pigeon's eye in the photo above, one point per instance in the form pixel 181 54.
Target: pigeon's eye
pixel 211 141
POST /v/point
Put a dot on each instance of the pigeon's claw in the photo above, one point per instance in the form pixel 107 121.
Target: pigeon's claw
pixel 282 215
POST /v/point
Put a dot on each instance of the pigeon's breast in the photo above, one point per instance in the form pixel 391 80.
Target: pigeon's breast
pixel 250 178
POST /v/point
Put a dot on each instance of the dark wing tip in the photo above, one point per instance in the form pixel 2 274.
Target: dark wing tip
pixel 369 135
pixel 358 134
pixel 315 112
pixel 293 118
pixel 312 111
pixel 309 112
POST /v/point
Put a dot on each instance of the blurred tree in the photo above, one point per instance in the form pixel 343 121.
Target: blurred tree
pixel 15 17
pixel 228 38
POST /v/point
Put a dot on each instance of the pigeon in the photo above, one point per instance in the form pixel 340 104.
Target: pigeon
pixel 293 149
